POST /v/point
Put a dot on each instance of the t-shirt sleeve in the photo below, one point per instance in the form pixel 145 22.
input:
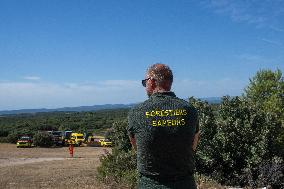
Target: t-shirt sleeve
pixel 196 121
pixel 131 124
pixel 197 125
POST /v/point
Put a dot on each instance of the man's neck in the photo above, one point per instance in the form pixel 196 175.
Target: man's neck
pixel 160 90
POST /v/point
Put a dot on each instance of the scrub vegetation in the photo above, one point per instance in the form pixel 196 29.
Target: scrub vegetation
pixel 12 126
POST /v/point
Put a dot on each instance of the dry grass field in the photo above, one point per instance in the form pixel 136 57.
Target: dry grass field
pixel 49 167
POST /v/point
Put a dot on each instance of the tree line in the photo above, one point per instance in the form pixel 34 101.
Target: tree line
pixel 12 126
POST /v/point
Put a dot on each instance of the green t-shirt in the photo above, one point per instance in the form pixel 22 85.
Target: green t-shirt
pixel 164 128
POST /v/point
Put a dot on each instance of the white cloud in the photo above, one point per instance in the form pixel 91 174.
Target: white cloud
pixel 250 57
pixel 258 12
pixel 278 29
pixel 208 88
pixel 118 84
pixel 35 78
pixel 257 60
pixel 271 41
pixel 19 95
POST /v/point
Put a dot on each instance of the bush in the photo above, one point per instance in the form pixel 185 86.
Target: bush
pixel 3 133
pixel 235 141
pixel 43 139
pixel 4 140
pixel 12 138
pixel 45 127
pixel 119 136
pixel 118 168
pixel 271 172
pixel 208 128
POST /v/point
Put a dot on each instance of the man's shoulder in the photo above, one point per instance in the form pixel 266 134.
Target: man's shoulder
pixel 183 102
pixel 139 107
pixel 186 105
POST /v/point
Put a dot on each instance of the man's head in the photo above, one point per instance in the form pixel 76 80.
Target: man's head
pixel 158 78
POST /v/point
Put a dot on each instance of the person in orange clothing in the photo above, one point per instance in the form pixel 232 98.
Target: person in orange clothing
pixel 71 150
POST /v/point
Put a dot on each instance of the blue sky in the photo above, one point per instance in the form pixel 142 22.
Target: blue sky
pixel 60 53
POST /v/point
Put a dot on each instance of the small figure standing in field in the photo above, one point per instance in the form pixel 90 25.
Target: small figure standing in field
pixel 164 130
pixel 71 150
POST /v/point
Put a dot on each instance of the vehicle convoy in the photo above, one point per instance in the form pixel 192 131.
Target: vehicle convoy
pixel 66 137
pixel 98 141
pixel 25 141
pixel 94 141
pixel 78 138
pixel 105 142
pixel 75 138
pixel 57 137
pixel 61 138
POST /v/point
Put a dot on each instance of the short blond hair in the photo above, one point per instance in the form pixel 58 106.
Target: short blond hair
pixel 161 73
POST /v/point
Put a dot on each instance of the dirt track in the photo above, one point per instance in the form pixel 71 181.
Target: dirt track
pixel 48 167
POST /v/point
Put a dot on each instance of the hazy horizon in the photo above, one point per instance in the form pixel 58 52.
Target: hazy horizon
pixel 90 105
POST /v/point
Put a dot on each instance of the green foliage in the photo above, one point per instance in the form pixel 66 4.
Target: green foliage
pixel 118 168
pixel 208 128
pixel 76 121
pixel 266 92
pixel 271 172
pixel 235 141
pixel 4 140
pixel 43 139
pixel 45 127
pixel 3 132
pixel 12 138
pixel 120 137
pixel 4 136
pixel 241 140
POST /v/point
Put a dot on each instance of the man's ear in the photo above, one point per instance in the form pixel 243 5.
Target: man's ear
pixel 153 83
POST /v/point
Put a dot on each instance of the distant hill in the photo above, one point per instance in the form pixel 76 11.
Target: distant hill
pixel 69 109
pixel 210 100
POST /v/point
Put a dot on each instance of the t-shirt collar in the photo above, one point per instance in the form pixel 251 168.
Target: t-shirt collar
pixel 166 93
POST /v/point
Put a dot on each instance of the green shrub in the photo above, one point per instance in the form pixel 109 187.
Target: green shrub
pixel 4 140
pixel 12 138
pixel 43 139
pixel 45 127
pixel 208 128
pixel 271 172
pixel 3 132
pixel 118 168
pixel 119 136
pixel 235 141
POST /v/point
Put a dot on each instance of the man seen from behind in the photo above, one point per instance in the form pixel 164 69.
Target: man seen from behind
pixel 164 131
